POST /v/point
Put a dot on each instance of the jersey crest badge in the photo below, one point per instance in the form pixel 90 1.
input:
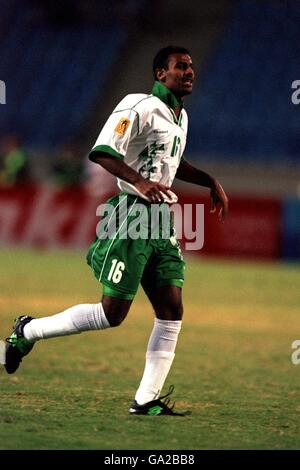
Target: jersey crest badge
pixel 122 126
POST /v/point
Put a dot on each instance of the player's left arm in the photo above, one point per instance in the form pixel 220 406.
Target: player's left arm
pixel 187 172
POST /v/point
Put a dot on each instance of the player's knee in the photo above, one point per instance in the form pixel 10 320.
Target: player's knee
pixel 167 303
pixel 115 310
pixel 115 320
pixel 175 308
pixel 177 311
pixel 172 312
pixel 115 316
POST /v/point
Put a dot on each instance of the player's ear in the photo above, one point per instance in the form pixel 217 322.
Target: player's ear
pixel 161 75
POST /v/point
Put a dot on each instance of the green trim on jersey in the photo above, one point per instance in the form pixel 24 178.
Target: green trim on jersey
pixel 170 282
pixel 180 120
pixel 116 293
pixel 165 94
pixel 107 149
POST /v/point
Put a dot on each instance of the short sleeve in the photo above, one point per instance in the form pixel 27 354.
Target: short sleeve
pixel 119 130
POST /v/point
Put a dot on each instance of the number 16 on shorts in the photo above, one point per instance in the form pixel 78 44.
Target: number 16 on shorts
pixel 116 271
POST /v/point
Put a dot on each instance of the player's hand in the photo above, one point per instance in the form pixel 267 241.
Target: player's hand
pixel 152 190
pixel 218 197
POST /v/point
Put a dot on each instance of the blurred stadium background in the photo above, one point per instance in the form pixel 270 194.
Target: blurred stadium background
pixel 66 65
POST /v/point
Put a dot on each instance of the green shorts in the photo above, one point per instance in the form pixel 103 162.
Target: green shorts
pixel 135 245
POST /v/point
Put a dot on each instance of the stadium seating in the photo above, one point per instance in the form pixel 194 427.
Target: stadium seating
pixel 242 108
pixel 53 75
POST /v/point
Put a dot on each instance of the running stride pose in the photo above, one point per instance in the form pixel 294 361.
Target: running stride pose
pixel 142 144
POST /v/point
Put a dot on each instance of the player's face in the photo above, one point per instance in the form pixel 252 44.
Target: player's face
pixel 179 76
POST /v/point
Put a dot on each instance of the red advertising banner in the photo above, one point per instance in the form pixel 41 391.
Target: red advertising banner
pixel 253 228
pixel 45 216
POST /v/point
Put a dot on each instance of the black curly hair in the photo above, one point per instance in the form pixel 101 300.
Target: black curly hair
pixel 161 59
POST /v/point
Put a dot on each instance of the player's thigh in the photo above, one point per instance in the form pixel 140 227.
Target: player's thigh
pixel 166 267
pixel 163 279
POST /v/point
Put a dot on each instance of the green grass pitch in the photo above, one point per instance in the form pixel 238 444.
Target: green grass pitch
pixel 232 369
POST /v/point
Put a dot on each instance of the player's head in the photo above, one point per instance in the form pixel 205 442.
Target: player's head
pixel 173 67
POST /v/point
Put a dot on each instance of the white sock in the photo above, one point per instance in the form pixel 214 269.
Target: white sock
pixel 159 358
pixel 74 320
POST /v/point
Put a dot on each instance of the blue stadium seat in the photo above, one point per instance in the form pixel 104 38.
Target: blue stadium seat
pixel 54 75
pixel 243 108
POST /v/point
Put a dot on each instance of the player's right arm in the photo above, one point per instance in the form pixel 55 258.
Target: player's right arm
pixel 117 167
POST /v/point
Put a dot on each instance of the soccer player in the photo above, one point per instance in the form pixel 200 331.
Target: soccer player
pixel 142 144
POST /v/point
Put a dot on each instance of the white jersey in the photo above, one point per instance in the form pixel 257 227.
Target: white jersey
pixel 144 132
